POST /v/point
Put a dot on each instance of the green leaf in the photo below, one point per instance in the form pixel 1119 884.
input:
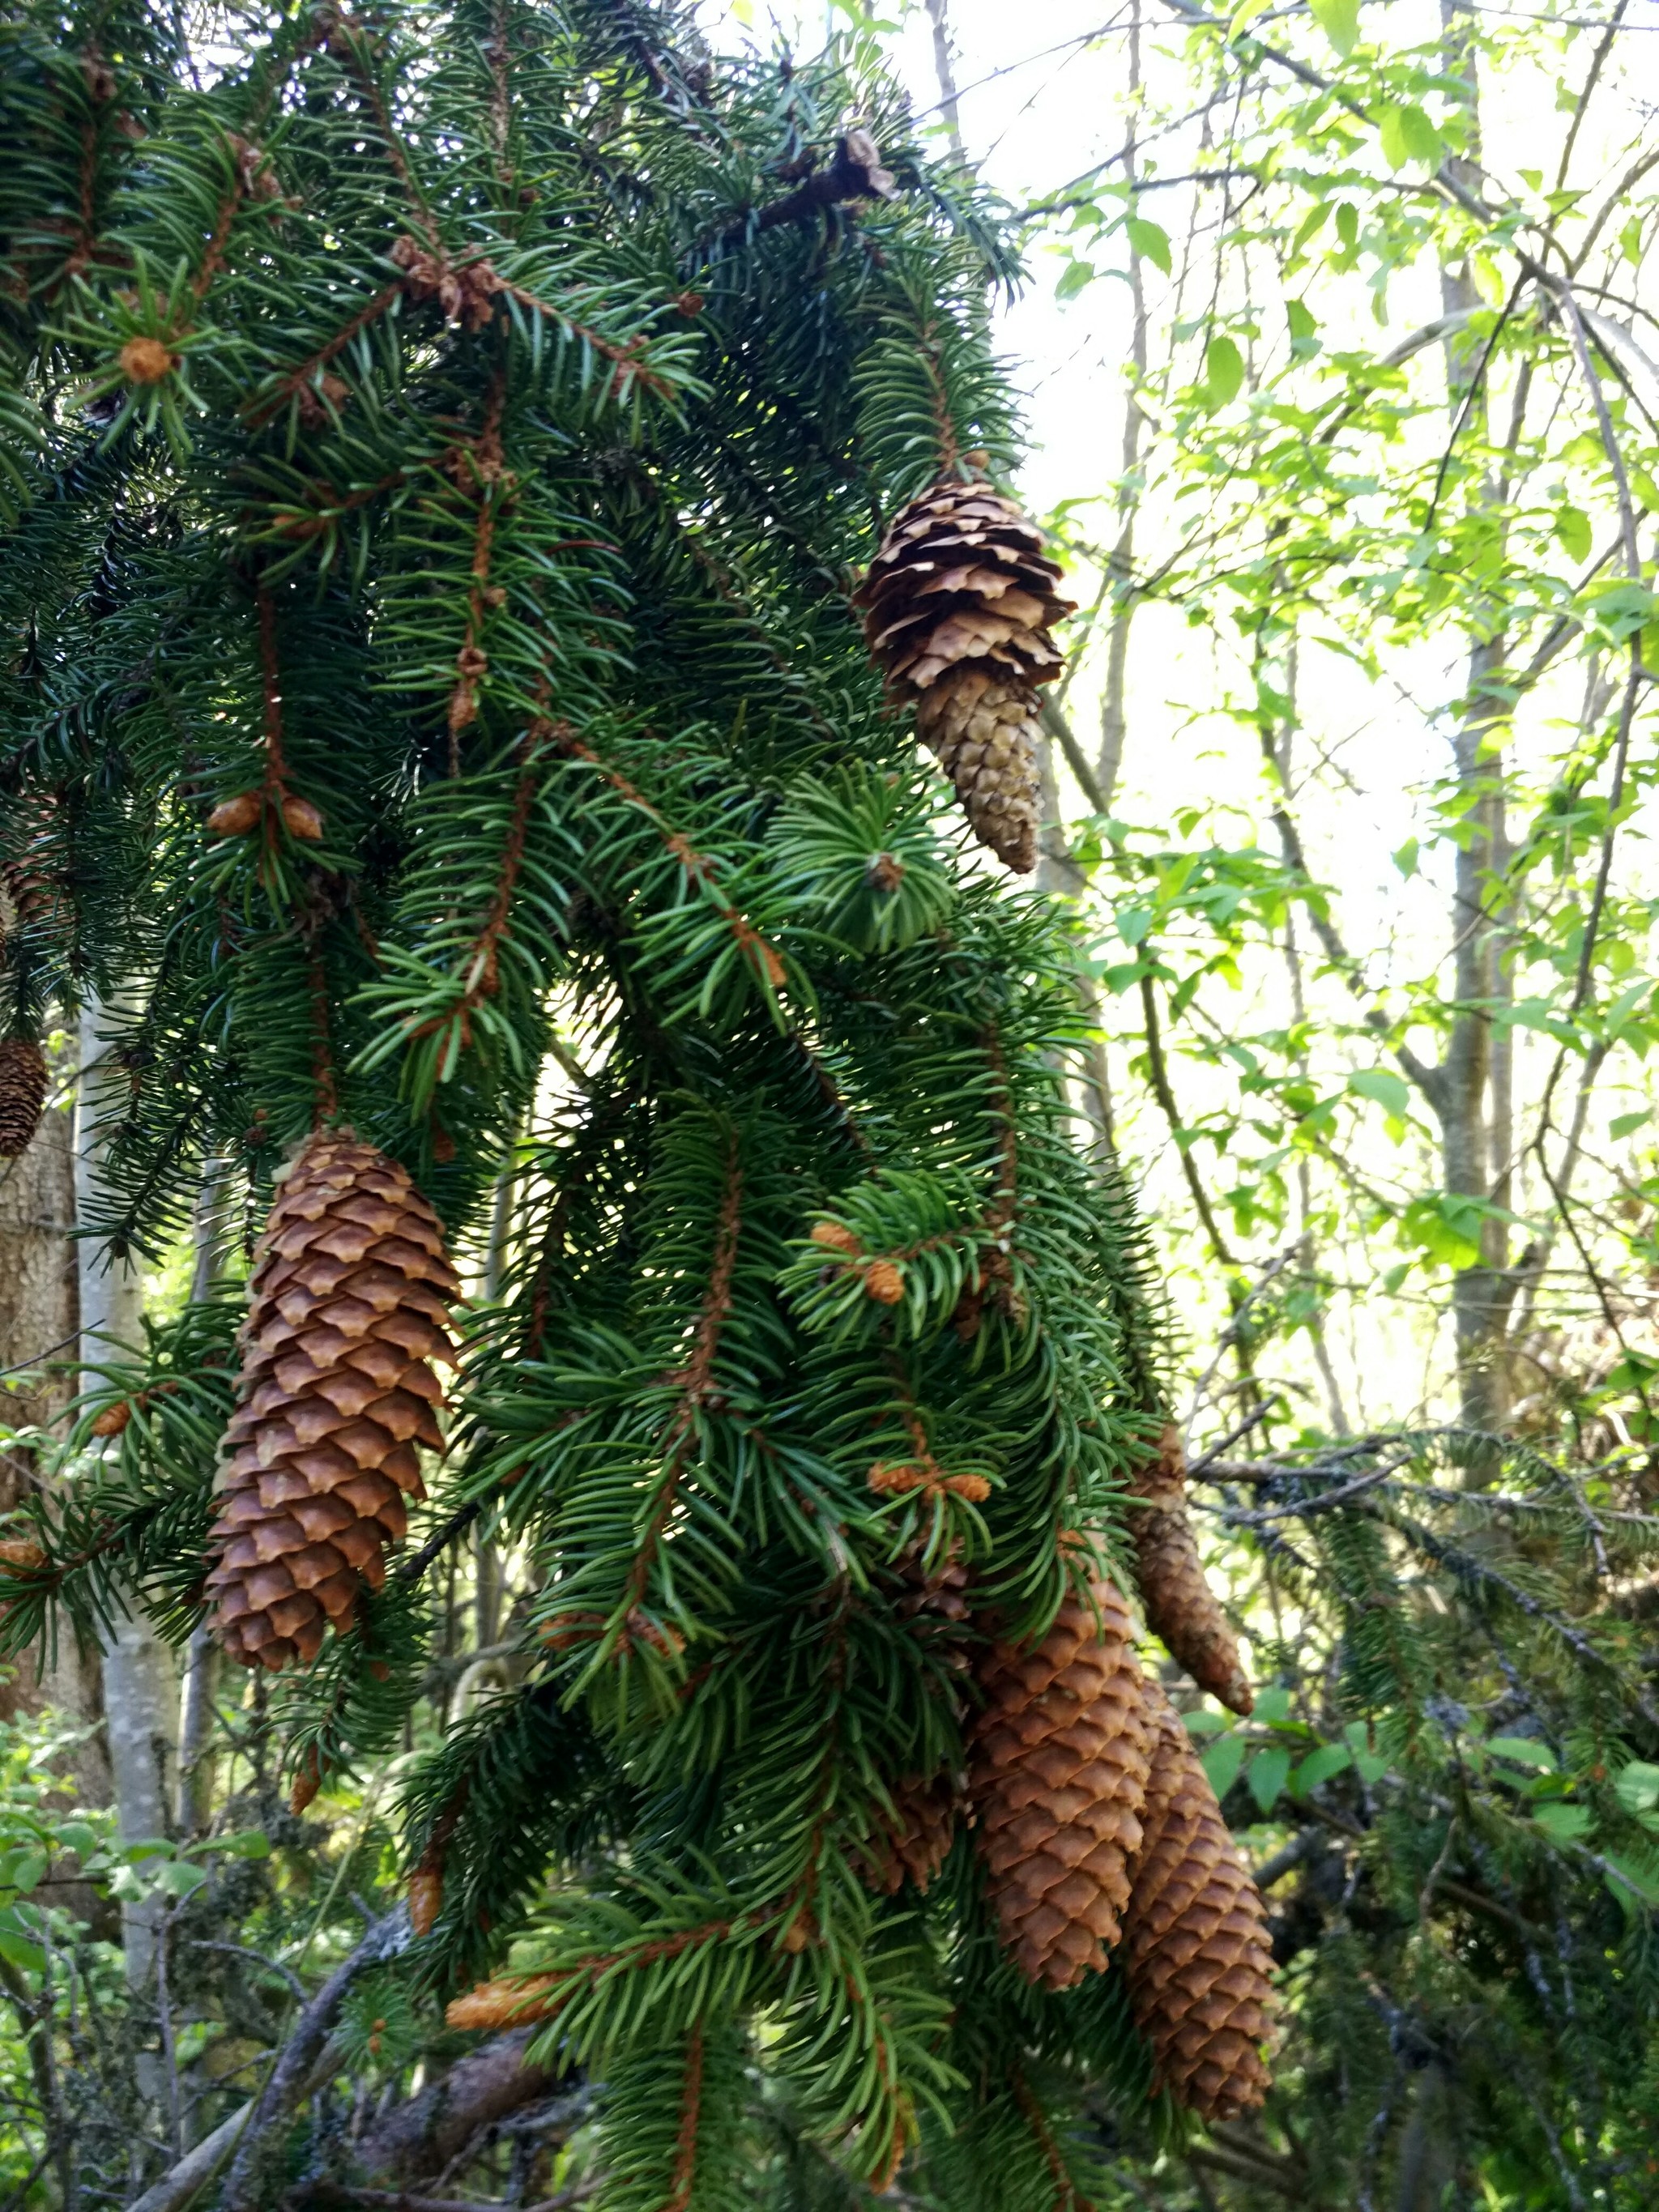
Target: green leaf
pixel 1625 1125
pixel 1269 1772
pixel 1572 530
pixel 1637 1786
pixel 1625 1875
pixel 1522 1751
pixel 1150 239
pixel 1223 371
pixel 1222 1761
pixel 245 1844
pixel 1273 1705
pixel 179 1877
pixel 1319 1766
pixel 1339 20
pixel 1387 1088
pixel 1563 1823
pixel 26 1868
pixel 1077 275
pixel 76 1835
pixel 1305 327
pixel 1205 1723
pixel 17 1948
pixel 1408 136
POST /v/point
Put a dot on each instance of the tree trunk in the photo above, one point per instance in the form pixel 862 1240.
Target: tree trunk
pixel 945 69
pixel 141 1694
pixel 1474 1142
pixel 39 1320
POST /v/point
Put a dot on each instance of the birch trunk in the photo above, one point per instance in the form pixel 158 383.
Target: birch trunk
pixel 141 1692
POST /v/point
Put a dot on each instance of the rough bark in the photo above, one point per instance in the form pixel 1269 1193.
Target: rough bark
pixel 39 1320
pixel 422 2137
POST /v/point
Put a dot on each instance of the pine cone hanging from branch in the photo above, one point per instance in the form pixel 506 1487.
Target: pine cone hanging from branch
pixel 349 1301
pixel 1182 1609
pixel 1195 1950
pixel 957 606
pixel 917 1839
pixel 22 1094
pixel 1058 1776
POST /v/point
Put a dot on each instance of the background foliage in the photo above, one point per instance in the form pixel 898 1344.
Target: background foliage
pixel 1371 574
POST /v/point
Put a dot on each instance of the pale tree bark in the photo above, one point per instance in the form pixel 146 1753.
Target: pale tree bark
pixel 939 14
pixel 1114 724
pixel 141 1692
pixel 1475 1141
pixel 194 1808
pixel 39 1322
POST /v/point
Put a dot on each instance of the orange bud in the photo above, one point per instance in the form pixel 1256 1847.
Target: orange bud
pixel 112 1420
pixel 147 361
pixel 426 1898
pixel 505 2004
pixel 23 1553
pixel 300 819
pixel 307 1783
pixel 883 1281
pixel 836 1237
pixel 236 816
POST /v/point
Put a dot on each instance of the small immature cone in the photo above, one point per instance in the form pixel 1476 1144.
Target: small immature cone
pixel 23 1083
pixel 426 1898
pixel 348 1303
pixel 1195 1951
pixel 1181 1607
pixel 957 606
pixel 1058 1778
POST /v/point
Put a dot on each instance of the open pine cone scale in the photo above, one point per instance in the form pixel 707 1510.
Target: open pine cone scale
pixel 349 1307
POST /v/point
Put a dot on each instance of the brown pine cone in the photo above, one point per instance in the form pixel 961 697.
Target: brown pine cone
pixel 957 606
pixel 1182 1609
pixel 915 1840
pixel 1195 1950
pixel 348 1303
pixel 985 731
pixel 1058 1778
pixel 22 1094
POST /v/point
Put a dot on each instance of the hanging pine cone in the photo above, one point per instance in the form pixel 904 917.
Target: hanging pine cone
pixel 349 1299
pixel 1195 1951
pixel 1182 1609
pixel 22 1094
pixel 915 1839
pixel 30 887
pixel 957 606
pixel 1058 1778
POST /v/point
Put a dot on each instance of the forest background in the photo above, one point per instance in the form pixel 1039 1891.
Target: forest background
pixel 1339 338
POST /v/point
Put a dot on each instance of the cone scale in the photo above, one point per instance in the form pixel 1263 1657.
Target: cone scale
pixel 1058 1778
pixel 349 1305
pixel 1195 1950
pixel 1182 1609
pixel 958 607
